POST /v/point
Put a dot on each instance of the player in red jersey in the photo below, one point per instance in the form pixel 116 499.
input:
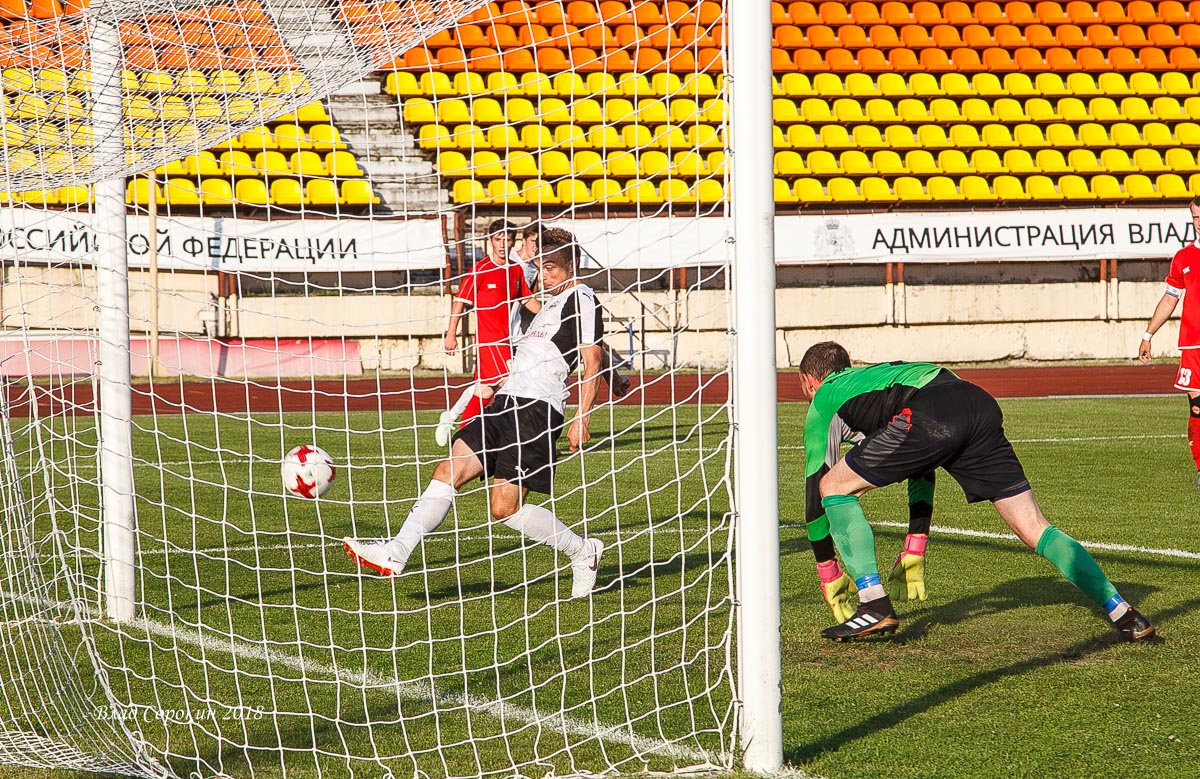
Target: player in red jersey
pixel 1183 280
pixel 497 290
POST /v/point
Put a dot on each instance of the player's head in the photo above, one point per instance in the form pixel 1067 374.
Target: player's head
pixel 559 258
pixel 1194 207
pixel 821 360
pixel 531 239
pixel 500 235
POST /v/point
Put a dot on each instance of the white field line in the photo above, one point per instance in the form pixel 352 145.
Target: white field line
pixel 700 760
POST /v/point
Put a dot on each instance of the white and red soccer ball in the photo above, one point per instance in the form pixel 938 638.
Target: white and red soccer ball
pixel 307 471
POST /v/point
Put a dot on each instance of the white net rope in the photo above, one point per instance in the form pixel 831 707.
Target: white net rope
pixel 266 312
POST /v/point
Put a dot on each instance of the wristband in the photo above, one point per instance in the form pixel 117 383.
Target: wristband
pixel 1146 336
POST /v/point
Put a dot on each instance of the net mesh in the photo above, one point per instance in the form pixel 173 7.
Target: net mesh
pixel 309 185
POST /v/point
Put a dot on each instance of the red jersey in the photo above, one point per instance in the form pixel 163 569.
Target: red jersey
pixel 496 292
pixel 1184 279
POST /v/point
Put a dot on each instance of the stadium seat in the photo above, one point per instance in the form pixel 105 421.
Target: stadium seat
pixel 909 190
pixel 843 190
pixel 1106 187
pixel 942 189
pixel 216 192
pixel 976 188
pixel 321 193
pixel 1139 187
pixel 1041 189
pixel 1009 189
pixel 251 192
pixel 1171 186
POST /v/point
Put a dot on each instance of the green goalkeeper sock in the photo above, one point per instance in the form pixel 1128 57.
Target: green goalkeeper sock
pixel 854 539
pixel 1074 563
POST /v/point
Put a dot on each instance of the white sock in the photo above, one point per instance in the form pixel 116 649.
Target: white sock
pixel 538 524
pixel 428 512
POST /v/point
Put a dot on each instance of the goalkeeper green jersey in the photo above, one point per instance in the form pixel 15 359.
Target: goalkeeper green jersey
pixel 854 401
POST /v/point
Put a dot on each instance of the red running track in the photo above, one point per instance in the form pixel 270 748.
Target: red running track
pixel 690 386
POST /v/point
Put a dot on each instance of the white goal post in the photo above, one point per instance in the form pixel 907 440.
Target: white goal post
pixel 329 176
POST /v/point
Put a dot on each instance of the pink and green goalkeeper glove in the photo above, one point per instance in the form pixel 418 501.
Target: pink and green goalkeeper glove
pixel 907 579
pixel 838 590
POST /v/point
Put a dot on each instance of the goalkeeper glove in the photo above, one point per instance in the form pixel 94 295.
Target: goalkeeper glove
pixel 907 579
pixel 838 590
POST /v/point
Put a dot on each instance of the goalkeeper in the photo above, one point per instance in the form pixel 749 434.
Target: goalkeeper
pixel 915 417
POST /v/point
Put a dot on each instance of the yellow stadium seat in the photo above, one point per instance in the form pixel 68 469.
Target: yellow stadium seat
pixel 997 136
pixel 1081 85
pixel 848 111
pixel 1020 85
pixel 321 192
pixel 1106 187
pixel 536 137
pixel 1061 136
pixel 894 85
pixel 469 83
pixel 691 164
pixel 619 111
pixel 1105 109
pixel 634 85
pixel 570 136
pixel 272 162
pixel 1042 189
pixel 1178 160
pixel 1187 134
pixel 251 192
pixel 226 81
pixel 569 85
pixel 673 191
pixel 554 164
pixel 1084 161
pixel 359 192
pixel 502 84
pixel 913 111
pixel 216 192
pixel 666 84
pixel 888 163
pixel 1050 85
pixel 1052 161
pixel 809 190
pixel 901 137
pixel 835 136
pixel 707 192
pixel 307 163
pixel 964 136
pixel 703 84
pixel 716 163
pixel 505 192
pixel 1135 109
pixel 1020 162
pixel 637 136
pixel 436 84
pixel 522 165
pixel 292 82
pixel 1171 186
pixel 653 164
pixel 553 110
pixel 1167 109
pixel 987 162
pixel 434 136
pixel 181 192
pixel 538 84
pixel 484 111
pixel 418 110
pixel 1074 188
pixel 622 165
pixel 503 137
pixel 910 190
pixel 823 163
pixel 291 137
pixel 237 163
pixel 861 85
pixel 137 191
pixel 942 189
pixel 978 110
pixel 451 111
pixel 921 162
pixel 790 163
pixel 815 110
pixel 13 134
pixel 881 112
pixel 1010 110
pixel 1009 189
pixel 1145 84
pixel 797 85
pixel 715 110
pixel 783 192
pixel 40 197
pixel 1151 161
pixel 192 82
pixel 1073 109
pixel 975 188
pixel 843 190
pixel 925 85
pixel 673 138
pixel 608 191
pixel 1117 161
pixel 856 163
pixel 259 82
pixel 867 136
pixel 1113 85
pixel 1178 84
pixel 642 192
pixel 803 136
pixel 156 81
pixel 1029 136
pixel 1139 187
pixel 605 137
pixel 588 164
pixel 829 85
pixel 705 136
pixel 584 111
pixel 73 195
pixel 956 85
pixel 539 192
pixel 876 190
pixel 487 164
pixel 17 80
pixel 684 110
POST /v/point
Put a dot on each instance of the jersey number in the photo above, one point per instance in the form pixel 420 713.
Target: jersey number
pixel 1185 377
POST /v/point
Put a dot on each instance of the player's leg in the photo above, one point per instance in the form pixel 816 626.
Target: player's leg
pixel 449 418
pixel 491 365
pixel 388 558
pixel 1194 431
pixel 1023 514
pixel 1188 380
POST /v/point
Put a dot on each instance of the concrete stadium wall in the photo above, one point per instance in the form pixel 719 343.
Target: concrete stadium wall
pixel 403 332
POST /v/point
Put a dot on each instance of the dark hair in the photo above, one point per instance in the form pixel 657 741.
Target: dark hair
pixel 824 358
pixel 559 245
pixel 501 226
pixel 1195 202
pixel 532 230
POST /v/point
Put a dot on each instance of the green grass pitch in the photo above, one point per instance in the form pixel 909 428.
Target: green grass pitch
pixel 1006 670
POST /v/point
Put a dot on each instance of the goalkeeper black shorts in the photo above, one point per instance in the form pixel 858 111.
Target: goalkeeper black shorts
pixel 516 439
pixel 951 424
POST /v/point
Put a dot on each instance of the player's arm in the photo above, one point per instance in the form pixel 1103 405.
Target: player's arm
pixel 907 578
pixel 1162 312
pixel 456 314
pixel 589 383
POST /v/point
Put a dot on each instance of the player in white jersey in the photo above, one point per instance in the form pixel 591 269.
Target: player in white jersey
pixel 513 440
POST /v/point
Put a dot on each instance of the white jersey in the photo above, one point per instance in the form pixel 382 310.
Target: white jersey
pixel 548 353
pixel 528 267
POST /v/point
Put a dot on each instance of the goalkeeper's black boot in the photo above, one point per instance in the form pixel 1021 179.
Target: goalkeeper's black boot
pixel 1132 626
pixel 873 618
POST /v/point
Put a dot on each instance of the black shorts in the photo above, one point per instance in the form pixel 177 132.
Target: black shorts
pixel 951 424
pixel 515 440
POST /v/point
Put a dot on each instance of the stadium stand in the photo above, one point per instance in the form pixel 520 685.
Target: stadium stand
pixel 526 102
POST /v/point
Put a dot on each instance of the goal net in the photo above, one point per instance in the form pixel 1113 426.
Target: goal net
pixel 309 184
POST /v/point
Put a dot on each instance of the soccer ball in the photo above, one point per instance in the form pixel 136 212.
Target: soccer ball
pixel 307 471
